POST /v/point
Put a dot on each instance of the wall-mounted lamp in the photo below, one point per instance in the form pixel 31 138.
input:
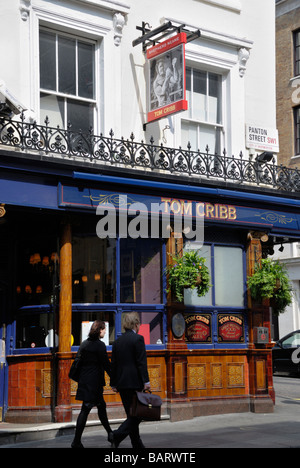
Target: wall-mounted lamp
pixel 264 157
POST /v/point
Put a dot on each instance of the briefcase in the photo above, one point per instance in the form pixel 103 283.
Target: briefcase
pixel 146 406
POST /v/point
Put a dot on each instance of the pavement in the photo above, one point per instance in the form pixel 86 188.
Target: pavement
pixel 280 429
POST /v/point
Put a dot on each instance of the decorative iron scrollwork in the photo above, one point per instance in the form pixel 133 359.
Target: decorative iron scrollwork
pixel 147 156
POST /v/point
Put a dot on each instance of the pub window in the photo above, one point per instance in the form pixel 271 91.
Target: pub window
pixel 151 326
pixel 94 270
pixel 67 81
pixel 202 124
pixel 38 263
pixel 297 129
pixel 297 52
pixel 83 319
pixel 227 288
pixel 140 271
pixel 190 295
pixel 34 328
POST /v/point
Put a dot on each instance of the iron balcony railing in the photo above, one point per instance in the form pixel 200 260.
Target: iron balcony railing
pixel 156 158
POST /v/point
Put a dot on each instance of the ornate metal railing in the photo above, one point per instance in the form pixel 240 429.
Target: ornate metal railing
pixel 157 158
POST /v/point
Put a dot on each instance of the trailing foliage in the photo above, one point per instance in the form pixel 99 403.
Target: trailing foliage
pixel 188 272
pixel 270 281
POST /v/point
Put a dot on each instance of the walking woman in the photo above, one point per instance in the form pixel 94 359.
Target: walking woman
pixel 93 362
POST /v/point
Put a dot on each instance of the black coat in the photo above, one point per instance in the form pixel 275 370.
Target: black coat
pixel 129 362
pixel 94 361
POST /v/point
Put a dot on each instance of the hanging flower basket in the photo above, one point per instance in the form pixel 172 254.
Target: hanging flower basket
pixel 188 272
pixel 270 281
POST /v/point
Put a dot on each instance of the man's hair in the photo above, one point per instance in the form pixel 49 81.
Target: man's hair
pixel 95 330
pixel 131 320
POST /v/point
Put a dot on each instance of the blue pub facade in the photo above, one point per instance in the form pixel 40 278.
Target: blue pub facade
pixel 47 203
pixel 79 71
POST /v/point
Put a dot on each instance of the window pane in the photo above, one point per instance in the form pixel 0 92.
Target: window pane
pixel 90 316
pixel 188 79
pixel 47 61
pixel 189 91
pixel 229 277
pixel 214 98
pixel 33 330
pixel 94 267
pixel 67 65
pixel 189 135
pixel 81 115
pixel 86 70
pixel 151 327
pixel 53 108
pixel 199 95
pixel 141 274
pixel 209 136
pixel 292 342
pixel 190 295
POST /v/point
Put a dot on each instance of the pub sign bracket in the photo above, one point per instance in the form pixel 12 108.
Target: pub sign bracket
pixel 150 37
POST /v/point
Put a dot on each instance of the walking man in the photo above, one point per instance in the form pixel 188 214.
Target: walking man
pixel 129 374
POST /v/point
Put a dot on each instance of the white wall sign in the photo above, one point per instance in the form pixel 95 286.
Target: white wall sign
pixel 262 139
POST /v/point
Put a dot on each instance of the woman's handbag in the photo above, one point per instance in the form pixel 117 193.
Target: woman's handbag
pixel 146 406
pixel 74 373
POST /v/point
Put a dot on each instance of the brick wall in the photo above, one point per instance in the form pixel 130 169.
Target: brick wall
pixel 286 24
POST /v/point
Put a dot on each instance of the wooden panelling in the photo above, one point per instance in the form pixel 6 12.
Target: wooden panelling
pixel 219 375
pixel 198 375
pixel 261 380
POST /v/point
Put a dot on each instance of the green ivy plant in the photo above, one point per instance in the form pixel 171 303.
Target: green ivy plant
pixel 188 272
pixel 270 281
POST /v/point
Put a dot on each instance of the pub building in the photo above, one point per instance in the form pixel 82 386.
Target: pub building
pixel 57 275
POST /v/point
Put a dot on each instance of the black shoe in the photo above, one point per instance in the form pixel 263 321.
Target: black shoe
pixel 110 437
pixel 114 441
pixel 75 445
pixel 139 445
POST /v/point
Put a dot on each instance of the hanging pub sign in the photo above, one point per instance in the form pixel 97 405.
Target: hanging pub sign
pixel 167 94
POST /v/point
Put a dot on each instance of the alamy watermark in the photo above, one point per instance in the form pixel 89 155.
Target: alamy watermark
pixel 134 220
pixel 296 356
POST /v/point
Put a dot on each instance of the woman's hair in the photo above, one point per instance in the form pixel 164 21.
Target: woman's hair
pixel 130 320
pixel 95 330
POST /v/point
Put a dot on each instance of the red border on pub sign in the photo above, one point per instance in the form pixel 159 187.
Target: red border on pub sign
pixel 167 93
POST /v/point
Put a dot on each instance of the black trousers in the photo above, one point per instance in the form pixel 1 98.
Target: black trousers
pixel 130 427
pixel 83 415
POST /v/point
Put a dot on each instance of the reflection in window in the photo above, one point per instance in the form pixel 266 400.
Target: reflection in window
pixel 78 318
pixel 94 270
pixel 151 327
pixel 38 261
pixel 140 267
pixel 229 276
pixel 190 295
pixel 34 330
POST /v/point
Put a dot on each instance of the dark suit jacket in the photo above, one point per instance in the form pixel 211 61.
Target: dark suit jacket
pixel 94 362
pixel 129 362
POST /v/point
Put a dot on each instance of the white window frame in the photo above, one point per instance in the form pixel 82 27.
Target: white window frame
pixel 206 123
pixel 65 96
pixel 61 20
